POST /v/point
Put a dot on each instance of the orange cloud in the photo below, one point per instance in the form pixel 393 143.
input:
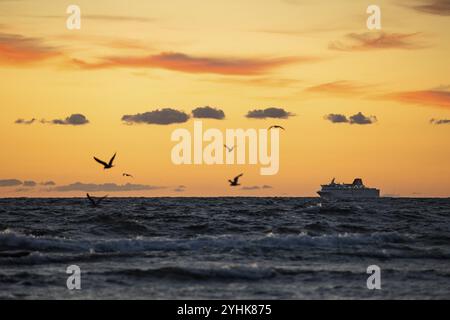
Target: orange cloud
pixel 341 87
pixel 377 40
pixel 438 7
pixel 434 97
pixel 17 49
pixel 190 64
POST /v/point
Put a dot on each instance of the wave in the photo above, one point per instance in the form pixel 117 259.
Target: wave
pixel 10 240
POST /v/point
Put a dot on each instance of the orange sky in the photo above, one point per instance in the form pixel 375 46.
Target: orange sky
pixel 310 58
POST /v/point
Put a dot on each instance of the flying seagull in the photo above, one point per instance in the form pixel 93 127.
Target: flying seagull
pixel 234 182
pixel 228 148
pixel 95 201
pixel 276 127
pixel 108 165
pixel 127 175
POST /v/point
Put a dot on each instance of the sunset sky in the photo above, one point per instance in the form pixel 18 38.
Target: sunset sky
pixel 314 59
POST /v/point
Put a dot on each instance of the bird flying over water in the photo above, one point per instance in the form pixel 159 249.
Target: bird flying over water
pixel 127 175
pixel 235 181
pixel 95 201
pixel 228 148
pixel 276 127
pixel 108 165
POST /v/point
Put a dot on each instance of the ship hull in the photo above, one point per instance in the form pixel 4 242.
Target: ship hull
pixel 351 194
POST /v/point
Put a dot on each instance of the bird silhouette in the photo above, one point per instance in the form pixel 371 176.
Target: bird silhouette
pixel 228 148
pixel 235 181
pixel 127 175
pixel 108 165
pixel 276 127
pixel 95 201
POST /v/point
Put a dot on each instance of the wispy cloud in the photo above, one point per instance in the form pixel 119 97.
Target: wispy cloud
pixel 192 64
pixel 252 188
pixel 73 120
pixel 278 113
pixel 377 41
pixel 106 187
pixel 358 118
pixel 23 121
pixel 340 87
pixel 16 49
pixel 10 183
pixel 433 97
pixel 208 113
pixel 162 117
pixel 436 7
pixel 440 121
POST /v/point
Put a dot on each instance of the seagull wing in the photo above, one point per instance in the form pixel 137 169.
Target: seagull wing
pixel 112 159
pixel 91 200
pixel 236 179
pixel 100 161
pixel 101 199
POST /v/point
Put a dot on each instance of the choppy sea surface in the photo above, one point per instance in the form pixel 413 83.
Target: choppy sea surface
pixel 224 248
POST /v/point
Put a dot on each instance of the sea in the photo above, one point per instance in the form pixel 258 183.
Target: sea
pixel 224 248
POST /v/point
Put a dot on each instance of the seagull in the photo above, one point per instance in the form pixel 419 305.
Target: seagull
pixel 108 165
pixel 228 148
pixel 127 175
pixel 276 127
pixel 95 201
pixel 234 182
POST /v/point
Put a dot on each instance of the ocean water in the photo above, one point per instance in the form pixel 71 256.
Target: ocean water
pixel 224 248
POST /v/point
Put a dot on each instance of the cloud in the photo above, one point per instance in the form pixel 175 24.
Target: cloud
pixel 185 63
pixel 434 97
pixel 10 183
pixel 208 113
pixel 163 117
pixel 23 121
pixel 340 87
pixel 73 120
pixel 257 81
pixel 336 118
pixel 48 183
pixel 269 113
pixel 440 121
pixel 18 50
pixel 106 187
pixel 29 184
pixel 250 188
pixel 180 189
pixel 358 118
pixel 377 40
pixel 437 7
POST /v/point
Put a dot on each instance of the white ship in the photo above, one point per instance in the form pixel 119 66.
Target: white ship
pixel 356 190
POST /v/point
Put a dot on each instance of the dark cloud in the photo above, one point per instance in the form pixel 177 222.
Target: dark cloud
pixel 163 117
pixel 440 121
pixel 10 183
pixel 269 113
pixel 23 121
pixel 437 7
pixel 377 40
pixel 358 118
pixel 336 118
pixel 106 187
pixel 208 113
pixel 185 63
pixel 29 184
pixel 73 120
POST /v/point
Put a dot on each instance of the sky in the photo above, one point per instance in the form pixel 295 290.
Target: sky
pixel 355 102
